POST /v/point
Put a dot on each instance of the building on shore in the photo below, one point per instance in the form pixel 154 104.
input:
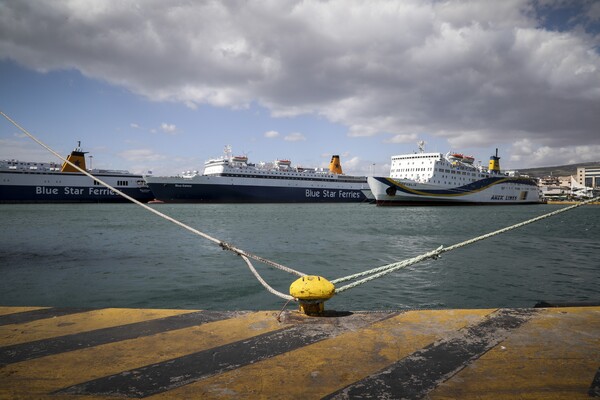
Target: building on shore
pixel 589 177
pixel 555 187
pixel 585 184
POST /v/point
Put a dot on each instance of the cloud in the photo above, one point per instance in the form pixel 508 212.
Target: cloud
pixel 134 125
pixel 525 152
pixel 466 71
pixel 168 128
pixel 271 134
pixel 294 137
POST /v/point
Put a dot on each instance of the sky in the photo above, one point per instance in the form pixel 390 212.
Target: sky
pixel 163 86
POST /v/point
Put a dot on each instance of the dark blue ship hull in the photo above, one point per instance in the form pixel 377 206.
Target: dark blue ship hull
pixel 69 194
pixel 209 193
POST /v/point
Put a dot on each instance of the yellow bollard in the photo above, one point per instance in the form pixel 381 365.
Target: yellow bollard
pixel 312 291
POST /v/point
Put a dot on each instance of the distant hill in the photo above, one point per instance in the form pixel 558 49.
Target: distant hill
pixel 560 170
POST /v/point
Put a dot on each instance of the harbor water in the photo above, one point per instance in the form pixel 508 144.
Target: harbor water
pixel 120 255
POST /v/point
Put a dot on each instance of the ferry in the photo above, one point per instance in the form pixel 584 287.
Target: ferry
pixel 452 178
pixel 233 179
pixel 48 182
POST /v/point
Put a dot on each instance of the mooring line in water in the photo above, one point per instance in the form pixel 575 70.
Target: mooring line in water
pixel 368 275
pixel 386 269
pixel 224 245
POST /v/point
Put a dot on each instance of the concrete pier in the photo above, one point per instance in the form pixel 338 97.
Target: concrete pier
pixel 532 353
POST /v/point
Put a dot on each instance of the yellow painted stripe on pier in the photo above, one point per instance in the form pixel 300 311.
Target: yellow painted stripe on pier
pixel 526 353
pixel 316 370
pixel 48 374
pixel 15 310
pixel 552 356
pixel 80 322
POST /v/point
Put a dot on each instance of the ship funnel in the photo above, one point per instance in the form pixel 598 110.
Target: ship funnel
pixel 335 166
pixel 494 162
pixel 77 157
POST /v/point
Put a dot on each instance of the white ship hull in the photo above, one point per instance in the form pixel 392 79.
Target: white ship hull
pixel 493 190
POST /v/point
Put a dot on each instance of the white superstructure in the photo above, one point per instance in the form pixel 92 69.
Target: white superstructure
pixel 450 178
pixel 48 182
pixel 232 179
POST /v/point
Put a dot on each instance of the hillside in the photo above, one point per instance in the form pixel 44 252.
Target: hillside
pixel 560 170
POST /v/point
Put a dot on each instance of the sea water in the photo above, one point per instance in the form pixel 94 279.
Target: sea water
pixel 120 255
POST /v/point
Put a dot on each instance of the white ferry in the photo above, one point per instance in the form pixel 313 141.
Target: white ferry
pixel 452 178
pixel 232 179
pixel 41 182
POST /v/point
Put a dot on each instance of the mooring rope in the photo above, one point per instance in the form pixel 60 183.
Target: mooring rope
pixel 386 269
pixel 368 275
pixel 224 245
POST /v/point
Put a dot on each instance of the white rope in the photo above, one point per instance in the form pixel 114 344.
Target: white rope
pixel 386 269
pixel 265 284
pixel 226 246
pixel 369 274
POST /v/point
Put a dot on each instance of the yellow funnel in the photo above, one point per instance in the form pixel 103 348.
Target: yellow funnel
pixel 77 157
pixel 494 162
pixel 335 166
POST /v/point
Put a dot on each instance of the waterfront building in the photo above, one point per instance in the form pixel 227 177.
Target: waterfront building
pixel 589 177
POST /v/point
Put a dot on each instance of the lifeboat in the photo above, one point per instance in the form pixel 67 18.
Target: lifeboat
pixel 468 159
pixel 240 159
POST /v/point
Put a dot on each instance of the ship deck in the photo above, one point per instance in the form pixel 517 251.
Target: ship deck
pixel 69 353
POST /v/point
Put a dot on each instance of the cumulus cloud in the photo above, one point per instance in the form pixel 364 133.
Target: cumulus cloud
pixel 472 72
pixel 168 128
pixel 524 151
pixel 271 134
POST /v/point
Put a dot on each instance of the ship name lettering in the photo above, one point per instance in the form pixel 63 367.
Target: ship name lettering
pixel 45 190
pixel 101 192
pixel 329 193
pixel 348 194
pixel 498 197
pixel 72 191
pixel 511 197
pixel 312 193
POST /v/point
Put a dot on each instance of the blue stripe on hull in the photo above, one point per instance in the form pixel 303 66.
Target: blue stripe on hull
pixel 60 194
pixel 252 194
pixel 477 193
pixel 479 185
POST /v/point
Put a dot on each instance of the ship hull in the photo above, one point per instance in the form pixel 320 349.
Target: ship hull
pixel 499 190
pixel 216 189
pixel 64 187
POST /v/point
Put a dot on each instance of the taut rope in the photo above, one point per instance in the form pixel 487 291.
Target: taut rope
pixel 366 276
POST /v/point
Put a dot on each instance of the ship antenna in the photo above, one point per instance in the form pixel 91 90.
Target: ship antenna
pixel 421 145
pixel 227 152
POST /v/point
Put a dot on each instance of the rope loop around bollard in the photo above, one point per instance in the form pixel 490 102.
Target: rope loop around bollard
pixel 366 276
